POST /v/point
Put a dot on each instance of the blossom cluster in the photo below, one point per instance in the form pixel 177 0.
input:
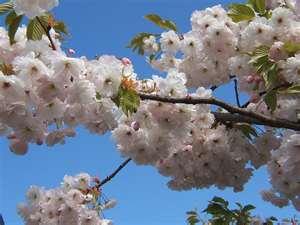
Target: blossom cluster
pixel 33 8
pixel 74 203
pixel 284 171
pixel 215 50
pixel 179 140
pixel 45 94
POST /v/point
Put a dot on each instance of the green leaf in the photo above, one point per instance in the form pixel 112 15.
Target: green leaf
pixel 247 130
pixel 273 218
pixel 258 5
pixel 292 90
pixel 137 43
pixel 35 30
pixel 271 75
pixel 260 58
pixel 98 96
pixel 60 27
pixel 220 200
pixel 248 208
pixel 6 7
pixel 13 22
pixel 240 12
pixel 261 6
pixel 162 23
pixel 271 100
pixel 10 17
pixel 215 209
pixel 192 217
pixel 291 48
pixel 127 100
pixel 268 69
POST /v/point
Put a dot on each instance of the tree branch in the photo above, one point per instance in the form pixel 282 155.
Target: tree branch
pixel 108 178
pixel 260 94
pixel 47 31
pixel 256 117
pixel 237 97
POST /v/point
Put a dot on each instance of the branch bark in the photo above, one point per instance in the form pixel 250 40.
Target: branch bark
pixel 237 113
pixel 108 178
pixel 236 91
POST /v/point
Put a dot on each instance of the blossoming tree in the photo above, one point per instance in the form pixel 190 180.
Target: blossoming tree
pixel 173 123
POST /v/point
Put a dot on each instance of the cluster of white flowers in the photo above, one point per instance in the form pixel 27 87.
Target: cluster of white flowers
pixel 76 202
pixel 33 8
pixel 216 48
pixel 45 94
pixel 284 170
pixel 179 140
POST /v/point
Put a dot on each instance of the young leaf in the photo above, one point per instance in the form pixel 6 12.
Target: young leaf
pixel 291 48
pixel 258 5
pixel 192 217
pixel 6 7
pixel 13 22
pixel 35 30
pixel 292 90
pixel 247 130
pixel 261 6
pixel 271 75
pixel 248 208
pixel 60 27
pixel 220 200
pixel 240 12
pixel 128 100
pixel 164 24
pixel 137 43
pixel 271 100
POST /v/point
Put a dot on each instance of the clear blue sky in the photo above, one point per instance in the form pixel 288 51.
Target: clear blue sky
pixel 105 27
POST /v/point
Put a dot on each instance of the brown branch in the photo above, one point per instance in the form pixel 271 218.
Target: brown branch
pixel 260 94
pixel 256 117
pixel 236 91
pixel 108 178
pixel 47 31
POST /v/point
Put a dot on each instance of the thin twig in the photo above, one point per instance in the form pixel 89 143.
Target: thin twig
pixel 108 178
pixel 237 97
pixel 47 31
pixel 256 117
pixel 265 92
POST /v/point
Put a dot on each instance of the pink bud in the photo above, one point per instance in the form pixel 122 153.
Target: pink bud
pixel 254 98
pixel 39 141
pixel 250 79
pixel 96 180
pixel 257 79
pixel 18 147
pixel 126 61
pixel 277 52
pixel 71 51
pixel 188 148
pixel 135 125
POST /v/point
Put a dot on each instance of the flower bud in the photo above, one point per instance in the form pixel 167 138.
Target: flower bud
pixel 18 147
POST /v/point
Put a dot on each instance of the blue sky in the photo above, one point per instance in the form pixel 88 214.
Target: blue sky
pixel 105 27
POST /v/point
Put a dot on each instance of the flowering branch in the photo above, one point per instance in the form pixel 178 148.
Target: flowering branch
pixel 47 31
pixel 108 178
pixel 237 113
